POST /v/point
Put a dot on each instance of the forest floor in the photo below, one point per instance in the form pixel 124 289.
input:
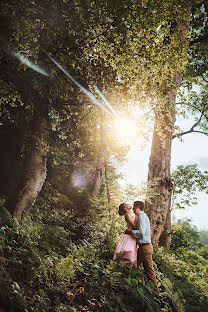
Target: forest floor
pixel 46 267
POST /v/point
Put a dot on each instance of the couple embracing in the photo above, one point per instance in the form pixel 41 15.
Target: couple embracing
pixel 135 245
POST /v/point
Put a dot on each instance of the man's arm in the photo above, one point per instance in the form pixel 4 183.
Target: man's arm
pixel 139 233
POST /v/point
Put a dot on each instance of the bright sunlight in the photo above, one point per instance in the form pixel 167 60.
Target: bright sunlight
pixel 126 130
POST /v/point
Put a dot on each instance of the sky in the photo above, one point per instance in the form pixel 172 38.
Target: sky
pixel 193 149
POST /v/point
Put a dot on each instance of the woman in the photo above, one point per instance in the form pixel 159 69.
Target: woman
pixel 127 246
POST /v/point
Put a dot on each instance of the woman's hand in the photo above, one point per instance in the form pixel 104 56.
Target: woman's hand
pixel 128 231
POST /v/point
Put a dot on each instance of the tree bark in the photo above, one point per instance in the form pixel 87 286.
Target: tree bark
pixel 159 210
pixel 165 238
pixel 107 184
pixel 159 172
pixel 34 170
pixel 100 168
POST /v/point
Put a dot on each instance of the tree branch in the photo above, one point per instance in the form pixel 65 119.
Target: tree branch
pixel 189 131
pixel 193 127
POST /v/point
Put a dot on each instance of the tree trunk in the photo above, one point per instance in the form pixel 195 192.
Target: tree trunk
pixel 165 238
pixel 34 170
pixel 159 172
pixel 159 211
pixel 98 173
pixel 107 184
pixel 100 166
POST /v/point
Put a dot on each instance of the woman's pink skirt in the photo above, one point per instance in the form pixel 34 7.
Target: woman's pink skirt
pixel 127 246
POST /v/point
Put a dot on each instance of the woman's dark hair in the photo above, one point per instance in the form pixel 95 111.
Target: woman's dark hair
pixel 121 209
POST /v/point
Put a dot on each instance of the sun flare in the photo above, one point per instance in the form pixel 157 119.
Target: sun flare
pixel 125 129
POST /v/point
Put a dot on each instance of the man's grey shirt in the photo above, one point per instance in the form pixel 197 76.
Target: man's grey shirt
pixel 142 232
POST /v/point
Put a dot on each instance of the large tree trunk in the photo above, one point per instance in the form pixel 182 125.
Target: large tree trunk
pixel 159 173
pixel 165 238
pixel 159 211
pixel 34 169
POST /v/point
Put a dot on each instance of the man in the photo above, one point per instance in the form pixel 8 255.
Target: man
pixel 143 237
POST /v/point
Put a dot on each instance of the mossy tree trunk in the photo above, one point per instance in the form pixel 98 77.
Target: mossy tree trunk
pixel 159 173
pixel 159 210
pixel 34 168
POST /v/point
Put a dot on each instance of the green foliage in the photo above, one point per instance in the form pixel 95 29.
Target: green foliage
pixel 54 271
pixel 203 237
pixel 59 259
pixel 186 280
pixel 183 234
pixel 186 266
pixel 187 180
pixel 6 218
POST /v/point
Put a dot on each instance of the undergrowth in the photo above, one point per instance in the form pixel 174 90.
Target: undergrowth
pixel 46 267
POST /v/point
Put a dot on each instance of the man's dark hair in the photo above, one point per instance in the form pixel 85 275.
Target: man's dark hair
pixel 139 204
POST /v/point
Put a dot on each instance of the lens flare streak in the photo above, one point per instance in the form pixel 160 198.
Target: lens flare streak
pixel 29 63
pixel 88 93
pixel 106 101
